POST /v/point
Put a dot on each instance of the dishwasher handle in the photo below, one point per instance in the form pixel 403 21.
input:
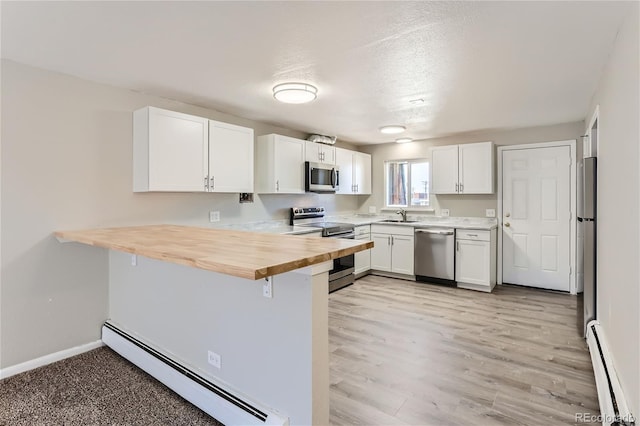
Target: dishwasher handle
pixel 435 231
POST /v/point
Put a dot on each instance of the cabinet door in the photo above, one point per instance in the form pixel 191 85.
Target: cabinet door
pixel 327 154
pixel 230 158
pixel 381 252
pixel 178 151
pixel 444 170
pixel 289 165
pixel 362 173
pixel 402 254
pixel 344 161
pixel 362 258
pixel 475 166
pixel 312 152
pixel 473 262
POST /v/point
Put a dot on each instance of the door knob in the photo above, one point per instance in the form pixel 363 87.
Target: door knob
pixel 507 224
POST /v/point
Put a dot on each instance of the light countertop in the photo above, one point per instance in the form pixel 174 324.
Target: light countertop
pixel 251 255
pixel 479 223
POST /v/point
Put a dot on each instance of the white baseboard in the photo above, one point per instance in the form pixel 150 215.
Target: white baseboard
pixel 48 359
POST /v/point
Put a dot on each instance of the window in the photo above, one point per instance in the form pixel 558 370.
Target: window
pixel 407 183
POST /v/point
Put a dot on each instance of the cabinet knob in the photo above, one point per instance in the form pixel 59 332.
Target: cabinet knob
pixel 507 224
pixel 507 215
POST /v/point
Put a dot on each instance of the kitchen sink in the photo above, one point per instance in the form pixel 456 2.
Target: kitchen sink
pixel 397 221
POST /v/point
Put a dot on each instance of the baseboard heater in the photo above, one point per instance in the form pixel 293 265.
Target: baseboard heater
pixel 613 405
pixel 211 398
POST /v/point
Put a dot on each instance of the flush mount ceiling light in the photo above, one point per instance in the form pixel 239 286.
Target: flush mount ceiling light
pixel 404 140
pixel 295 93
pixel 391 130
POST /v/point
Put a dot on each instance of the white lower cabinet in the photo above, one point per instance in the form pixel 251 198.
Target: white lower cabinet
pixel 392 249
pixel 476 259
pixel 362 259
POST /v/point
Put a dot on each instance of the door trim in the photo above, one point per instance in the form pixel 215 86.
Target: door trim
pixel 573 203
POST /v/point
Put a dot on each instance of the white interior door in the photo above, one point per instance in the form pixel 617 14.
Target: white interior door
pixel 536 209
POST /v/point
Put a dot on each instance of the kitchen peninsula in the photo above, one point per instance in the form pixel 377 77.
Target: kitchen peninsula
pixel 234 321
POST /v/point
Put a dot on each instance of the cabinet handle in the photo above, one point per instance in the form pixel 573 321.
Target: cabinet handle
pixel 206 183
pixel 357 187
pixel 212 183
pixel 461 187
pixel 457 187
pixel 389 240
pixel 277 185
pixel 392 240
pixel 457 245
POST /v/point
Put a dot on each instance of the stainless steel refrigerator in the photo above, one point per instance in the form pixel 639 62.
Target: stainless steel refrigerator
pixel 587 301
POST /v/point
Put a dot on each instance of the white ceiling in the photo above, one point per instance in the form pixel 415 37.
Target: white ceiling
pixel 477 65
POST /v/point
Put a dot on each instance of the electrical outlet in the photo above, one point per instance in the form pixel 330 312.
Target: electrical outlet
pixel 267 287
pixel 491 213
pixel 214 359
pixel 444 212
pixel 134 260
pixel 214 216
pixel 372 209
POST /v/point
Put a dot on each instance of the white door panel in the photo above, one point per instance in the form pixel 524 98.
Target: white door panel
pixel 536 217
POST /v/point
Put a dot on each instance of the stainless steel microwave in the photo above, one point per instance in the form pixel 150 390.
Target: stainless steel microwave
pixel 320 177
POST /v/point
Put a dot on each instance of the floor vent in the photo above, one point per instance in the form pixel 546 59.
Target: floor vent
pixel 613 406
pixel 211 398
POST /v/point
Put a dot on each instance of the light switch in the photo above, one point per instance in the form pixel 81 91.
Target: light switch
pixel 444 212
pixel 491 213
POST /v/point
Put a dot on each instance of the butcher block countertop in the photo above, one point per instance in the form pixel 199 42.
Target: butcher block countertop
pixel 239 253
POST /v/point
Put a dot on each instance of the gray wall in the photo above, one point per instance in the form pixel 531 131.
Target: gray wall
pixel 459 205
pixel 66 164
pixel 619 206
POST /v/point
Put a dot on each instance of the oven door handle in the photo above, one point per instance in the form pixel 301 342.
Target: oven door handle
pixel 348 235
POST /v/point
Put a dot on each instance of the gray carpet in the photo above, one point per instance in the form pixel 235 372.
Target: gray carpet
pixel 95 388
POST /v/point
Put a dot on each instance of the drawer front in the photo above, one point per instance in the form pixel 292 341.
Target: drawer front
pixel 471 234
pixel 392 229
pixel 363 229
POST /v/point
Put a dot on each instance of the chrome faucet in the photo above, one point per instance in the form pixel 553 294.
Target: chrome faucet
pixel 403 213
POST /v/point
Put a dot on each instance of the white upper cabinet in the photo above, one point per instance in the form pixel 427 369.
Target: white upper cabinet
pixel 320 153
pixel 355 172
pixel 475 167
pixel 230 158
pixel 185 153
pixel 362 173
pixel 280 164
pixel 170 151
pixel 463 169
pixel 344 161
pixel 444 169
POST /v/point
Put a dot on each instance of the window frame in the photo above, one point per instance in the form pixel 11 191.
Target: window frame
pixel 409 163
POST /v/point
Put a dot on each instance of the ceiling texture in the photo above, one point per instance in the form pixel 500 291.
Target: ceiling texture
pixel 475 65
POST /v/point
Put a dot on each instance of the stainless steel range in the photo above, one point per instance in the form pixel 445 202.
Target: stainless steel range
pixel 342 273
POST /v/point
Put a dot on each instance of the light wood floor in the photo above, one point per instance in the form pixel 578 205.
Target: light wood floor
pixel 421 354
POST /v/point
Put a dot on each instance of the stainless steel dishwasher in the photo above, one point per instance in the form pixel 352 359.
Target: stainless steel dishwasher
pixel 434 255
